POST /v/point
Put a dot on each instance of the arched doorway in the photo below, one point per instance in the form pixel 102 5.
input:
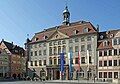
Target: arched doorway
pixel 57 74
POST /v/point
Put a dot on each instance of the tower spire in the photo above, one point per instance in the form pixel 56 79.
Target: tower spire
pixel 66 15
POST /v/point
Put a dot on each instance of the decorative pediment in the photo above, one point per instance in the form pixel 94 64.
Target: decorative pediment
pixel 57 35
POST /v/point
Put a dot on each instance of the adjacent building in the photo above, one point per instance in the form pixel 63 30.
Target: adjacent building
pixel 16 57
pixel 4 64
pixel 45 47
pixel 109 55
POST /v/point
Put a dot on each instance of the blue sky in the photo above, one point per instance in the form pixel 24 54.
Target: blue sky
pixel 21 17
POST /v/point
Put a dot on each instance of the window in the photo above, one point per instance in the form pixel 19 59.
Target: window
pixel 119 41
pixel 100 53
pixel 105 43
pixel 105 74
pixel 110 52
pixel 55 51
pixel 89 47
pixel 63 42
pixel 50 44
pixel 76 60
pixel 35 53
pixel 89 38
pixel 59 42
pixel 44 52
pixel 40 62
pixel 70 49
pixel 115 62
pixel 85 30
pixel 44 62
pixel 58 60
pixel 40 52
pixel 55 61
pixel 90 60
pixel 35 45
pixel 119 62
pixel 70 41
pixel 105 53
pixel 119 51
pixel 115 74
pixel 82 39
pixel 76 31
pixel 115 41
pixel 39 44
pixel 82 47
pixel 64 49
pixel 50 51
pixel 76 49
pixel 50 61
pixel 35 63
pixel 76 40
pixel 110 62
pixel 31 63
pixel 105 63
pixel 59 49
pixel 44 44
pixel 100 63
pixel 115 51
pixel 83 60
pixel 31 53
pixel 100 74
pixel 109 74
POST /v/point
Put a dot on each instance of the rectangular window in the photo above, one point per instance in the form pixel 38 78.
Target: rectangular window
pixel 59 42
pixel 35 53
pixel 115 62
pixel 70 49
pixel 31 63
pixel 110 52
pixel 105 53
pixel 70 41
pixel 64 49
pixel 55 50
pixel 90 60
pixel 50 44
pixel 82 39
pixel 119 62
pixel 36 63
pixel 50 51
pixel 109 74
pixel 100 63
pixel 40 63
pixel 76 40
pixel 31 53
pixel 40 53
pixel 119 51
pixel 89 38
pixel 59 50
pixel 83 60
pixel 105 63
pixel 63 42
pixel 55 61
pixel 44 52
pixel 119 41
pixel 115 51
pixel 58 60
pixel 44 62
pixel 100 53
pixel 110 62
pixel 115 41
pixel 105 74
pixel 50 61
pixel 89 47
pixel 76 60
pixel 115 74
pixel 100 74
pixel 76 49
pixel 82 47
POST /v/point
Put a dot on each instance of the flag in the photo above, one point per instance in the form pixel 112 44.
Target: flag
pixel 70 54
pixel 62 61
pixel 79 60
pixel 87 60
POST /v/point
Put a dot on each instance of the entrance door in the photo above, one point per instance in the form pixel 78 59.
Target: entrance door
pixel 57 74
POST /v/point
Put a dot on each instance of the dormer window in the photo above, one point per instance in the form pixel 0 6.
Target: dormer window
pixel 105 43
pixel 45 37
pixel 76 32
pixel 85 30
pixel 36 39
pixel 56 36
pixel 101 36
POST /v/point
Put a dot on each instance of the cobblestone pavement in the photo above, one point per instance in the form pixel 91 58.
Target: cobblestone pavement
pixel 54 82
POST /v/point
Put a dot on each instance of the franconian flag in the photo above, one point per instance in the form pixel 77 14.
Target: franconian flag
pixel 62 61
pixel 70 54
